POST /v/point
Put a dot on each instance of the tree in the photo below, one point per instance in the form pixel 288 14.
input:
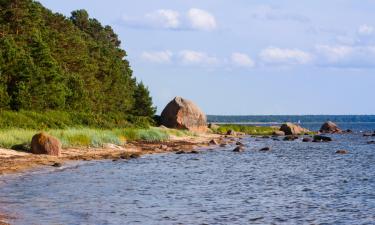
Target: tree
pixel 143 102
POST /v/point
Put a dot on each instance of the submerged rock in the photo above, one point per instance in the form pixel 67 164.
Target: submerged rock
pixel 239 149
pixel 321 138
pixel 306 139
pixel 265 149
pixel 342 152
pixel 330 128
pixel 57 165
pixel 44 143
pixel 292 129
pixel 184 114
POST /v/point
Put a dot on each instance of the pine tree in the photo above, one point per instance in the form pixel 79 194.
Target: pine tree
pixel 143 102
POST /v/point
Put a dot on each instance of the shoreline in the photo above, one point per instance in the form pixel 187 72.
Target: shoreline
pixel 13 162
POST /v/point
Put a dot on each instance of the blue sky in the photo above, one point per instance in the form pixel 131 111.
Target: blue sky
pixel 247 57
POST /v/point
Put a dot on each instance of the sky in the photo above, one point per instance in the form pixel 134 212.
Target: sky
pixel 247 57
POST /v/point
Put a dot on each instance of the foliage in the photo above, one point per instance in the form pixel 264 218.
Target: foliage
pixel 50 62
pixel 250 130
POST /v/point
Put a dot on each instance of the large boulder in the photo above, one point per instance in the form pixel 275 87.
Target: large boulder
pixel 43 143
pixel 184 114
pixel 293 129
pixel 330 128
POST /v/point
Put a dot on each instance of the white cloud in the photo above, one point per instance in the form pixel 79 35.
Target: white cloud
pixel 365 29
pixel 266 12
pixel 242 60
pixel 190 57
pixel 195 19
pixel 164 18
pixel 348 56
pixel 201 20
pixel 274 55
pixel 157 56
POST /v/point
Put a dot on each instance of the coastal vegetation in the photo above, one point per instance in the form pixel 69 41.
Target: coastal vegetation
pixel 249 130
pixel 19 139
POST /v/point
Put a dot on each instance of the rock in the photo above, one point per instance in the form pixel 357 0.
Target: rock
pixel 213 142
pixel 239 149
pixel 342 152
pixel 292 129
pixel 184 114
pixel 371 142
pixel 164 147
pixel 213 126
pixel 275 139
pixel 290 138
pixel 265 137
pixel 330 128
pixel 367 135
pixel 348 131
pixel 278 133
pixel 44 143
pixel 321 138
pixel 193 152
pixel 57 164
pixel 180 152
pixel 239 143
pixel 231 132
pixel 265 149
pixel 223 145
pixel 306 139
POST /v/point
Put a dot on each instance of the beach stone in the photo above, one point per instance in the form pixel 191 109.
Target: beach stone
pixel 223 145
pixel 371 142
pixel 342 152
pixel 239 143
pixel 44 143
pixel 239 149
pixel 265 137
pixel 349 131
pixel 184 114
pixel 265 149
pixel 321 138
pixel 213 142
pixel 57 165
pixel 306 139
pixel 330 128
pixel 164 147
pixel 292 129
pixel 278 133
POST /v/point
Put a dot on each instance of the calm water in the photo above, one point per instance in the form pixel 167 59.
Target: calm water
pixel 295 183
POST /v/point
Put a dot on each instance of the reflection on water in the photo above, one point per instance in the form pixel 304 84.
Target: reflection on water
pixel 295 183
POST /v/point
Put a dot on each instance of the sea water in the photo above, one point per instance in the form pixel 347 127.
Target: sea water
pixel 294 183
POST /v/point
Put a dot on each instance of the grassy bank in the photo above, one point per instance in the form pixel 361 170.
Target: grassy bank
pixel 64 120
pixel 88 137
pixel 249 130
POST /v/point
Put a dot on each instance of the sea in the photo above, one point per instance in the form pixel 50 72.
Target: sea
pixel 294 183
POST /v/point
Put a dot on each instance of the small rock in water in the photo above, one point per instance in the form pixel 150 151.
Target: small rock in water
pixel 239 143
pixel 342 152
pixel 371 142
pixel 306 139
pixel 265 136
pixel 367 135
pixel 223 145
pixel 180 152
pixel 57 164
pixel 193 152
pixel 290 138
pixel 275 139
pixel 321 138
pixel 239 149
pixel 265 149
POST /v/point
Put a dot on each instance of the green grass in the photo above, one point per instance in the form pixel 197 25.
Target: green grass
pixel 64 120
pixel 249 130
pixel 87 137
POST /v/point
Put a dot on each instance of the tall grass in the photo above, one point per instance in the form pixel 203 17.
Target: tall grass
pixel 249 130
pixel 85 137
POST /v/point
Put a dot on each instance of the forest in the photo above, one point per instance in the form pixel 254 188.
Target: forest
pixel 50 63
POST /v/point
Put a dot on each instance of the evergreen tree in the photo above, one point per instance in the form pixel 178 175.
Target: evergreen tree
pixel 143 102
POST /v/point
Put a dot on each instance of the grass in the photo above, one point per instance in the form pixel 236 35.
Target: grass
pixel 88 137
pixel 63 120
pixel 249 130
